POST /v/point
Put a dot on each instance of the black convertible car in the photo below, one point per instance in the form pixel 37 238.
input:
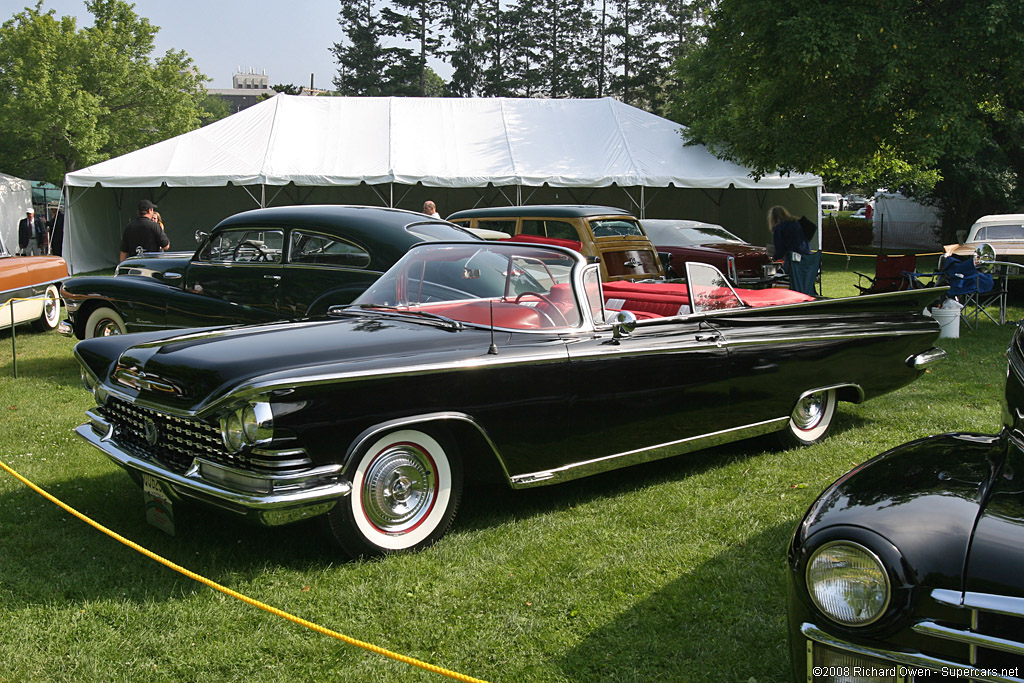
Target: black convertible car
pixel 279 263
pixel 491 359
pixel 906 568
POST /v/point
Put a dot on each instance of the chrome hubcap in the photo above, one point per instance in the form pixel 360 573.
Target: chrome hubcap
pixel 50 308
pixel 399 488
pixel 809 411
pixel 107 328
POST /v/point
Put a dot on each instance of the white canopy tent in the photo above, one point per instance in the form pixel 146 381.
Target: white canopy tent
pixel 400 151
pixel 15 198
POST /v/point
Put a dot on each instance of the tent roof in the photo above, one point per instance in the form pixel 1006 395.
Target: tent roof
pixel 440 142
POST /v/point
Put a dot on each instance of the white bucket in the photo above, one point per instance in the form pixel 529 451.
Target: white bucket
pixel 948 318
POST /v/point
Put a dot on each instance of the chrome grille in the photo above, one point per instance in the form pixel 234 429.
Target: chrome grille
pixel 179 440
pixel 995 636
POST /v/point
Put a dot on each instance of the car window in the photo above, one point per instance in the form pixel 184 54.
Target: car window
pixel 506 226
pixel 324 250
pixel 437 232
pixel 1000 232
pixel 244 245
pixel 708 289
pixel 618 227
pixel 549 228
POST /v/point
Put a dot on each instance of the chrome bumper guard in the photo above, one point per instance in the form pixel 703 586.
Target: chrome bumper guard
pixel 926 359
pixel 269 500
pixel 66 328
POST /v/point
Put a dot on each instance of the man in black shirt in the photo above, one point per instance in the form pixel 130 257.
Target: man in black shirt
pixel 143 232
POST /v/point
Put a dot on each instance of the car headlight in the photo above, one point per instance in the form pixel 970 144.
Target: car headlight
pixel 250 425
pixel 94 388
pixel 848 583
pixel 257 423
pixel 231 431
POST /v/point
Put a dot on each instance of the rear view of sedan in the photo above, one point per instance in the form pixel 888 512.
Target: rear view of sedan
pixel 745 264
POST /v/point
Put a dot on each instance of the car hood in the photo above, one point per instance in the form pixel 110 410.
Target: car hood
pixel 922 497
pixel 997 553
pixel 192 372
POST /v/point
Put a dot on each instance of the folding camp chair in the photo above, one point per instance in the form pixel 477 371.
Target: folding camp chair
pixel 892 274
pixel 970 287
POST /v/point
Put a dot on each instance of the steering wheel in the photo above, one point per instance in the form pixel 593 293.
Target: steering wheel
pixel 261 254
pixel 547 301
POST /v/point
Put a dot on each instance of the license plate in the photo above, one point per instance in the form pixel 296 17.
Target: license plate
pixel 159 509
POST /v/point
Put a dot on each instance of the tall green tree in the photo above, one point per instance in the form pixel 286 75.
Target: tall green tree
pixel 419 23
pixel 636 53
pixel 565 60
pixel 72 97
pixel 905 94
pixel 365 66
pixel 466 52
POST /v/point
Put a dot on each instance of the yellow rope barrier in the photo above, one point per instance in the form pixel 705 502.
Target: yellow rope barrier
pixel 238 596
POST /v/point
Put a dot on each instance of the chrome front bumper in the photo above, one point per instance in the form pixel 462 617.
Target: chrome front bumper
pixel 270 500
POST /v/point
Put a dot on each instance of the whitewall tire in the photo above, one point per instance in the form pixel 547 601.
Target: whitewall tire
pixel 406 488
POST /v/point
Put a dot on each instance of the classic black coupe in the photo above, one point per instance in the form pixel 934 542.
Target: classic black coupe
pixel 908 568
pixel 279 263
pixel 491 359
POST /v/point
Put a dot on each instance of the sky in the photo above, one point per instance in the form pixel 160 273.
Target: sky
pixel 289 39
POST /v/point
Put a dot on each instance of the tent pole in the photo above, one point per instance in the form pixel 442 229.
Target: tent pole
pixel 643 206
pixel 263 196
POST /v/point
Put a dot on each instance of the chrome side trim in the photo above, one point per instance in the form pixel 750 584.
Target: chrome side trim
pixel 640 455
pixel 313 488
pixel 371 434
pixel 908 659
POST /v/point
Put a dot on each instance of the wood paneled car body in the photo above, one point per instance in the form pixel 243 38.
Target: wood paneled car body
pixel 611 236
pixel 28 289
pixel 279 263
pixel 488 358
pixel 908 568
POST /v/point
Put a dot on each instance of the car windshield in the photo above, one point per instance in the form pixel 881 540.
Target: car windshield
pixel 996 233
pixel 514 285
pixel 674 234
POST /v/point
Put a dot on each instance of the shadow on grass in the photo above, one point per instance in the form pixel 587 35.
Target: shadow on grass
pixel 697 619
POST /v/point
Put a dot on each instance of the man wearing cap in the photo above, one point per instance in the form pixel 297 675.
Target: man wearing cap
pixel 32 234
pixel 143 232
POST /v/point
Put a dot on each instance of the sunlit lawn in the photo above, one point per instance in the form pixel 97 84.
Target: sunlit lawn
pixel 670 571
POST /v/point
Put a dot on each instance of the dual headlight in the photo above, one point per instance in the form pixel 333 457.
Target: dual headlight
pixel 250 425
pixel 94 387
pixel 848 583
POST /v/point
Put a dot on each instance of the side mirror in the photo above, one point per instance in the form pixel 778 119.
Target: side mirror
pixel 984 257
pixel 200 236
pixel 623 323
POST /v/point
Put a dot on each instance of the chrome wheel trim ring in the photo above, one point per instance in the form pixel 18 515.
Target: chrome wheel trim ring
pixel 51 307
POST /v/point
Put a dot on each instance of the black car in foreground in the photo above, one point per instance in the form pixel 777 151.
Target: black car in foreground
pixel 281 263
pixel 909 567
pixel 491 359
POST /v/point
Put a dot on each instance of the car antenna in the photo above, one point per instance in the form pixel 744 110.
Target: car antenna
pixel 493 348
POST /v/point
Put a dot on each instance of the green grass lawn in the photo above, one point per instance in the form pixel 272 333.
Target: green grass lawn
pixel 669 571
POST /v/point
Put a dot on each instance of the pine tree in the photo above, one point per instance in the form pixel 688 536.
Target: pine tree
pixel 362 59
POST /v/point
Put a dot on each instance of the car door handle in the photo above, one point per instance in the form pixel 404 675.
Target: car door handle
pixel 170 275
pixel 275 278
pixel 711 336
